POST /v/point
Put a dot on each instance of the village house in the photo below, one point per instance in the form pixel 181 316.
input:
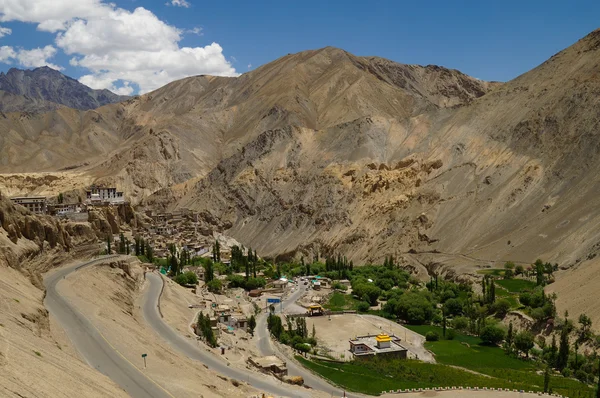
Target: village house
pixel 96 195
pixel 35 204
pixel 381 344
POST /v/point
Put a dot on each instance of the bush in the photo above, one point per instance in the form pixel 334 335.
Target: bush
pixel 460 323
pixel 453 306
pixel 415 307
pixel 187 278
pixel 501 308
pixel 492 335
pixel 450 334
pixel 581 376
pixel 339 286
pixel 363 306
pixel 432 336
pixel 214 286
pixel 302 347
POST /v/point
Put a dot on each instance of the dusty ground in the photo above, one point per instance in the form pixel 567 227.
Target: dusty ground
pixel 174 304
pixel 335 333
pixel 577 290
pixel 36 358
pixel 111 301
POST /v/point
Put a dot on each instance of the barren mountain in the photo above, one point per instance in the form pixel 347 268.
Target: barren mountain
pixel 326 151
pixel 45 89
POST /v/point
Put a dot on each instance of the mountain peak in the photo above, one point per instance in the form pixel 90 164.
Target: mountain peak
pixel 48 86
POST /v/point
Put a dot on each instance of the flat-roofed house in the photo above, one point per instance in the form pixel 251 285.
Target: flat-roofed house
pixel 35 204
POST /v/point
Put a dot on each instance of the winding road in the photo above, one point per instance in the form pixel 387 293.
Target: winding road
pixel 92 345
pixel 188 348
pixel 266 348
pixel 97 351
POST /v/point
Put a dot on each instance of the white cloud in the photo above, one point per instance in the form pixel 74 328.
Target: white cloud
pixel 33 58
pixel 249 66
pixel 178 3
pixel 197 31
pixel 51 15
pixel 37 57
pixel 7 54
pixel 5 31
pixel 118 47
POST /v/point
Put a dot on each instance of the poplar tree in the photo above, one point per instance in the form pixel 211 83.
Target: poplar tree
pixel 563 351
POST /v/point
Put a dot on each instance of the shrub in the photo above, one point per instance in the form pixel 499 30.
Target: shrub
pixel 460 323
pixel 432 336
pixel 363 306
pixel 450 334
pixel 339 286
pixel 492 335
pixel 415 307
pixel 501 308
pixel 187 278
pixel 453 306
pixel 214 286
pixel 302 347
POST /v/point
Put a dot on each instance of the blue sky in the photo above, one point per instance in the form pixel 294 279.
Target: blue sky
pixel 490 40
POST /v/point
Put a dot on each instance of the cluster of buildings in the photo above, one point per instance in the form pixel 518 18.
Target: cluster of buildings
pixel 181 228
pixel 95 196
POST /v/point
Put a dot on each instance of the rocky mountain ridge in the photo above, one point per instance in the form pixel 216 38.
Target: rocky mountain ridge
pixel 323 151
pixel 45 89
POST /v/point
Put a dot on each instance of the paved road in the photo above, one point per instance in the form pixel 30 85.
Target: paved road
pixel 266 348
pixel 187 347
pixel 92 345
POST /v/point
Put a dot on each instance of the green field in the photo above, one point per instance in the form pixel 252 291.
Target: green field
pixel 373 376
pixel 339 302
pixel 463 348
pixel 516 285
pixel 501 293
pixel 495 368
pixel 492 271
pixel 466 352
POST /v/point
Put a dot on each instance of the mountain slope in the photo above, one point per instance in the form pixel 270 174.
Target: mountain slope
pixel 323 151
pixel 509 175
pixel 43 89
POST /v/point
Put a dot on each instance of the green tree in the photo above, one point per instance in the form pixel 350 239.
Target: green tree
pixel 251 325
pixel 414 307
pixel 492 335
pixel 187 278
pixel 217 251
pixel 547 379
pixel 562 358
pixel 598 386
pixel 122 244
pixel 553 352
pixel 127 246
pixel 586 325
pixel 501 308
pixel 137 246
pixel 519 269
pixel 214 286
pixel 108 249
pixel 60 198
pixel 539 272
pixel 149 253
pixel 524 342
pixel 509 337
pixel 209 273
